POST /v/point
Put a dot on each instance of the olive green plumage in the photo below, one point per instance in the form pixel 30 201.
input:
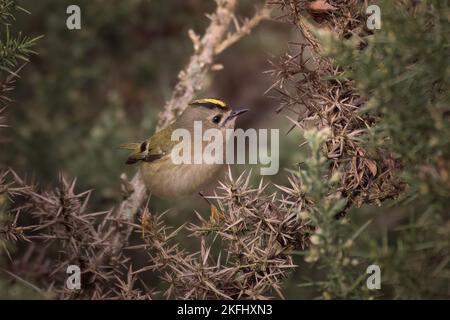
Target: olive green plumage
pixel 164 178
pixel 151 149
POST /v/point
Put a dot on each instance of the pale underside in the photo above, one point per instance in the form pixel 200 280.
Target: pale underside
pixel 164 179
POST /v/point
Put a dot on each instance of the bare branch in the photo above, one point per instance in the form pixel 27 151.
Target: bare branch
pixel 260 15
pixel 191 79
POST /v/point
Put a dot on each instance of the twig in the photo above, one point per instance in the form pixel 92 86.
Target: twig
pixel 213 42
pixel 25 282
pixel 192 77
pixel 260 15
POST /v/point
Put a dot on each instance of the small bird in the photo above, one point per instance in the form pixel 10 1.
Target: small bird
pixel 161 175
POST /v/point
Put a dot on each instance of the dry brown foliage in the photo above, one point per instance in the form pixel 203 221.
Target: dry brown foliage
pixel 256 230
pixel 368 176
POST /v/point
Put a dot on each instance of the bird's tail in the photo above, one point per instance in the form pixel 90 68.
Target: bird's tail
pixel 130 146
pixel 136 155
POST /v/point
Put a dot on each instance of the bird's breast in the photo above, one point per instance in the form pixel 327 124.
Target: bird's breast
pixel 165 179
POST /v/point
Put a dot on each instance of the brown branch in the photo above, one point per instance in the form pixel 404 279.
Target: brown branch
pixel 191 79
pixel 261 14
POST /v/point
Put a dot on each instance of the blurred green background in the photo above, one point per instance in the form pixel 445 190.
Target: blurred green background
pixel 89 90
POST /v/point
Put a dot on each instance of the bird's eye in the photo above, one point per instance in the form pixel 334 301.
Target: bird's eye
pixel 216 119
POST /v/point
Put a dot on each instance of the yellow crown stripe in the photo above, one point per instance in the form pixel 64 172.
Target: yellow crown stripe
pixel 217 102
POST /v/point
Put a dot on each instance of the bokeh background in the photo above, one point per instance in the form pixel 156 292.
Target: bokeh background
pixel 87 91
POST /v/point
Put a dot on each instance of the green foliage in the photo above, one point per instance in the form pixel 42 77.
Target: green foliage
pixel 404 74
pixel 66 116
pixel 7 10
pixel 402 70
pixel 87 87
pixel 414 256
pixel 332 238
pixel 14 49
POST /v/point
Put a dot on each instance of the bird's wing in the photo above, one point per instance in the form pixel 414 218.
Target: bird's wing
pixel 151 149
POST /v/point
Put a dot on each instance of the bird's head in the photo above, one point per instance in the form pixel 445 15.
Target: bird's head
pixel 213 113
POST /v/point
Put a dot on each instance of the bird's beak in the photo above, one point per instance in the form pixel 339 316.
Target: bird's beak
pixel 236 113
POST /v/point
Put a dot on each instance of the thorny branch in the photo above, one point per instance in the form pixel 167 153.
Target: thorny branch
pixel 94 241
pixel 262 14
pixel 300 86
pixel 257 229
pixel 214 41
